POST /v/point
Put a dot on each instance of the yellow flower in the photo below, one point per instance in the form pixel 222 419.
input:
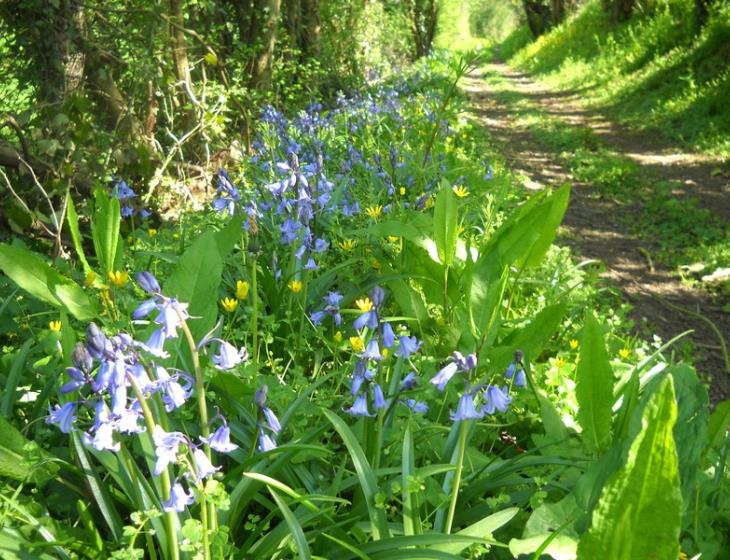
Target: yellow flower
pixel 242 289
pixel 229 304
pixel 402 191
pixel 559 362
pixel 385 352
pixel 624 353
pixel 295 286
pixel 374 211
pixel 460 191
pixel 393 238
pixel 429 202
pixel 338 336
pixel 152 232
pixel 119 278
pixel 90 279
pixel 347 244
pixel 573 344
pixel 54 326
pixel 357 344
pixel 364 304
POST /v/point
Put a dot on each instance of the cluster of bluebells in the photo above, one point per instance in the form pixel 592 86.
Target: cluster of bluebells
pixel 364 387
pixel 109 376
pixel 478 400
pixel 122 192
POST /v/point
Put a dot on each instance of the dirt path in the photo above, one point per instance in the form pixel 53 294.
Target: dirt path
pixel 597 228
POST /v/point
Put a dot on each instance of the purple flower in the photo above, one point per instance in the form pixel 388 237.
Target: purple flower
pixel 465 364
pixel 378 397
pixel 520 379
pixel 179 499
pixel 360 406
pixel 465 409
pixel 272 420
pixel 226 194
pixel 266 442
pixel 63 416
pixel 228 357
pixel 409 382
pixel 372 351
pixel 444 375
pixel 388 335
pixel 368 319
pixel 408 345
pixel 496 399
pixel 317 317
pixel 203 467
pixel 121 190
pixel 167 445
pixel 416 406
pixel 220 440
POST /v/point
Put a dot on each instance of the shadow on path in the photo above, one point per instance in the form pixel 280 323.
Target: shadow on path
pixel 598 228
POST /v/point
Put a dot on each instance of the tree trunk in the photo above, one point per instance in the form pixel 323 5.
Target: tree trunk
pixel 294 22
pixel 538 16
pixel 311 28
pixel 702 11
pixel 179 48
pixel 424 22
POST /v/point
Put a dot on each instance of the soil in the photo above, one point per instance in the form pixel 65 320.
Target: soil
pixel 598 228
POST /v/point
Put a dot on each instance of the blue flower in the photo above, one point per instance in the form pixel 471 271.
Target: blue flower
pixel 465 409
pixel 520 379
pixel 167 445
pixel 179 499
pixel 416 406
pixel 378 397
pixel 409 382
pixel 496 399
pixel 360 406
pixel 372 351
pixel 63 416
pixel 220 440
pixel 444 375
pixel 266 442
pixel 408 346
pixel 203 467
pixel 149 283
pixel 226 194
pixel 388 335
pixel 228 356
pixel 121 190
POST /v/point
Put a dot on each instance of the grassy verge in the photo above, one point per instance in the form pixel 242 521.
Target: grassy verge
pixel 659 70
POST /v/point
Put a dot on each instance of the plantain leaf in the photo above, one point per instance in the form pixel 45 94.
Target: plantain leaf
pixel 32 274
pixel 639 511
pixel 105 231
pixel 445 224
pixel 21 459
pixel 718 426
pixel 594 387
pixel 73 228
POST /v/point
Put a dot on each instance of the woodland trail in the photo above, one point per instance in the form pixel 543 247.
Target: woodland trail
pixel 600 228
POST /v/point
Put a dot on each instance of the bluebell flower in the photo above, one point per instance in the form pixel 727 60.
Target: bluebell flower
pixel 372 351
pixel 407 346
pixel 264 411
pixel 149 283
pixel 121 190
pixel 127 211
pixel 167 445
pixel 179 499
pixel 203 467
pixel 227 195
pixel 496 399
pixel 220 440
pixel 320 245
pixel 444 375
pixel 360 406
pixel 310 264
pixel 228 356
pixel 266 442
pixel 271 420
pixel 388 336
pixel 409 382
pixel 465 409
pixel 174 394
pixel 467 363
pixel 416 406
pixel 520 378
pixel 63 416
pixel 378 397
pixel 317 317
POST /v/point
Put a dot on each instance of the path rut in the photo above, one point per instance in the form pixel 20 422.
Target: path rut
pixel 597 228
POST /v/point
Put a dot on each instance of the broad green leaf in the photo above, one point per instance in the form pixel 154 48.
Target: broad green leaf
pixel 526 236
pixel 718 426
pixel 561 547
pixel 409 300
pixel 31 273
pixel 365 475
pixel 13 379
pixel 197 276
pixel 594 387
pixel 433 541
pixel 445 224
pixel 488 279
pixel 639 512
pixel 484 528
pixel 21 459
pixel 72 219
pixel 105 231
pixel 297 532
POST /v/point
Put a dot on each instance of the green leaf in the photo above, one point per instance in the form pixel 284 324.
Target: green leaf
pixel 72 219
pixel 594 387
pixel 297 532
pixel 197 276
pixel 445 224
pixel 484 528
pixel 365 475
pixel 561 547
pixel 411 518
pixel 639 512
pixel 488 279
pixel 719 423
pixel 526 236
pixel 31 273
pixel 23 460
pixel 14 375
pixel 105 231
